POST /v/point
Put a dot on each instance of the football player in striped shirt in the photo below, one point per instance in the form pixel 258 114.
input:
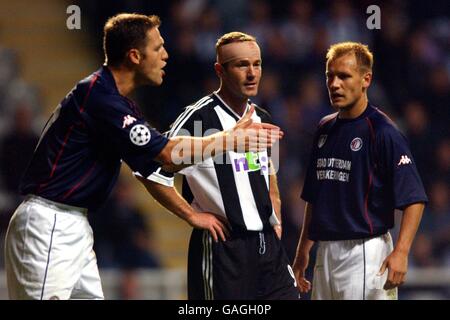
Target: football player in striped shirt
pixel 243 258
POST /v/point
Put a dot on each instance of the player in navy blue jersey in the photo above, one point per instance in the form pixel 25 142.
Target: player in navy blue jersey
pixel 247 261
pixel 361 170
pixel 78 157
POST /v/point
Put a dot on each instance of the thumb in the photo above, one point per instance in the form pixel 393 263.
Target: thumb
pixel 383 268
pixel 249 113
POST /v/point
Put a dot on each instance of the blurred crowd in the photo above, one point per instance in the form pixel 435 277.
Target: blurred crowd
pixel 411 84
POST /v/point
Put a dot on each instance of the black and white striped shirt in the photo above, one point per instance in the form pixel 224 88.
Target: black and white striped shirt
pixel 234 185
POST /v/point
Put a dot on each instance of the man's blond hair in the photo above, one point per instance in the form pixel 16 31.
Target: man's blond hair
pixel 364 58
pixel 232 37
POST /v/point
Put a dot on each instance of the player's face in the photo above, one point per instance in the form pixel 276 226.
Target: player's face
pixel 241 76
pixel 153 59
pixel 346 84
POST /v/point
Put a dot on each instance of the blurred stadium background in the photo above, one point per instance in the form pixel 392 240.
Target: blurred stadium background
pixel 141 249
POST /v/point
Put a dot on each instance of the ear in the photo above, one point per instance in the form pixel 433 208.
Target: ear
pixel 367 80
pixel 219 69
pixel 134 55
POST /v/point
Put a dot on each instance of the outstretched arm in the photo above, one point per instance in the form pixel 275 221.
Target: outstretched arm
pixel 302 257
pixel 181 152
pixel 169 198
pixel 397 261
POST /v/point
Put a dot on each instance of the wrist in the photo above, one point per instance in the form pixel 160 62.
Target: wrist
pixel 220 142
pixel 189 216
pixel 401 250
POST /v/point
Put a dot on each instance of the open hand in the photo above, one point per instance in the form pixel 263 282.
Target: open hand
pixel 250 136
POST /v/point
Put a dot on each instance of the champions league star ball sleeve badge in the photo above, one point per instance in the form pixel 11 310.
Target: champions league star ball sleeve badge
pixel 140 135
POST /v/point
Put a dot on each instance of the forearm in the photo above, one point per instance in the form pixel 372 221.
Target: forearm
pixel 169 198
pixel 305 244
pixel 184 151
pixel 275 194
pixel 408 227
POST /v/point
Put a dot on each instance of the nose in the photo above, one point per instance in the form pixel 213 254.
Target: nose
pixel 165 54
pixel 251 72
pixel 333 82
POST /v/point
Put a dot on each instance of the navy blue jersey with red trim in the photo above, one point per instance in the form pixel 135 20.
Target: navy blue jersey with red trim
pixel 360 171
pixel 78 157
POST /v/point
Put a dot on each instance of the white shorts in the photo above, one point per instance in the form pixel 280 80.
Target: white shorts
pixel 48 253
pixel 347 270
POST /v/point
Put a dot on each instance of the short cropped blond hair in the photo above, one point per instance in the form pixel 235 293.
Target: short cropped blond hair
pixel 364 57
pixel 232 37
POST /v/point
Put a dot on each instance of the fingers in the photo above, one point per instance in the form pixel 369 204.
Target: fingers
pixel 382 269
pixel 249 113
pixel 264 125
pixel 263 129
pixel 218 227
pixel 250 136
pixel 224 222
pixel 401 278
pixel 223 227
pixel 246 120
pixel 258 140
pixel 303 285
pixel 221 230
pixel 278 231
pixel 213 234
pixel 398 278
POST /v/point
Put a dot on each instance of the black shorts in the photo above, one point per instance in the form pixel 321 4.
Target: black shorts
pixel 249 265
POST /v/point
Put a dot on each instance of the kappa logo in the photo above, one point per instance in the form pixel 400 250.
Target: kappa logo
pixel 322 140
pixel 404 160
pixel 127 120
pixel 140 135
pixel 356 144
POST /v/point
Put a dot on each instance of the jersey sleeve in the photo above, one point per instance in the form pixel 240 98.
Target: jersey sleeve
pixel 399 168
pixel 121 125
pixel 184 125
pixel 189 125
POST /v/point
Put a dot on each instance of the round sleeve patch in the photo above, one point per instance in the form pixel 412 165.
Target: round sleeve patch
pixel 140 135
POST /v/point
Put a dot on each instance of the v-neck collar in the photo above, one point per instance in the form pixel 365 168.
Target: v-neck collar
pixel 227 108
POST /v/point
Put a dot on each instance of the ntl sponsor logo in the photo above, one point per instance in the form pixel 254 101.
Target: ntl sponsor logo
pixel 250 162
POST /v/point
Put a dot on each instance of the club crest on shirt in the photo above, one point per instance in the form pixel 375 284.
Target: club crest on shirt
pixel 322 140
pixel 127 120
pixel 356 144
pixel 140 135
